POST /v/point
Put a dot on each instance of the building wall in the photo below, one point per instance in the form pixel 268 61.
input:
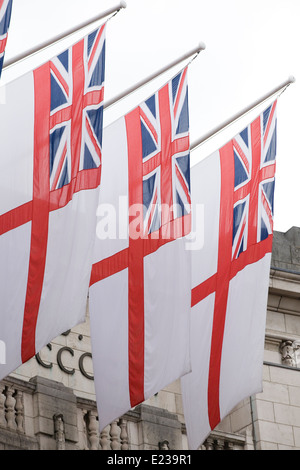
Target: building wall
pixel 49 402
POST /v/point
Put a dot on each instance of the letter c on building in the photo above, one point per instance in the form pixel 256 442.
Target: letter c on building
pixel 81 367
pixel 59 361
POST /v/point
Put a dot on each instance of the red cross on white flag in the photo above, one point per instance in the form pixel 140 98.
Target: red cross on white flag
pixel 50 168
pixel 230 275
pixel 140 284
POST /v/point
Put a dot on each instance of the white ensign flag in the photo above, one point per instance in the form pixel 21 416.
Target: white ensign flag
pixel 230 275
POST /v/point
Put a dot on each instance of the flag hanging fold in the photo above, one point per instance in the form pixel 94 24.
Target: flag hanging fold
pixel 50 168
pixel 230 275
pixel 140 285
pixel 5 14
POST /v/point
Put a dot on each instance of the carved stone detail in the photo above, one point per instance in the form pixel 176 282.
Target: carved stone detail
pixel 288 350
pixel 19 407
pixel 104 439
pixel 92 428
pixel 59 431
pixel 123 434
pixel 10 408
pixel 114 435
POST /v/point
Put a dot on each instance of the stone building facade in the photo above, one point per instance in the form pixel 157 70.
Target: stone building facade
pixel 49 402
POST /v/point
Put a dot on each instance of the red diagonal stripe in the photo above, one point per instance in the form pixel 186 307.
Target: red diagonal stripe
pixel 93 138
pixel 241 154
pixel 15 217
pixel 152 210
pixel 267 208
pixel 183 184
pixel 203 290
pixel 270 121
pixel 150 126
pixel 109 266
pixel 240 237
pixel 182 79
pixel 95 46
pixel 60 78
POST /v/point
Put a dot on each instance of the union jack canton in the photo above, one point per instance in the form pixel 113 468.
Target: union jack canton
pixel 254 181
pixel 164 120
pixel 5 14
pixel 76 110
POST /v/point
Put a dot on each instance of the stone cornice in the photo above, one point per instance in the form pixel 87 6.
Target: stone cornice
pixel 284 282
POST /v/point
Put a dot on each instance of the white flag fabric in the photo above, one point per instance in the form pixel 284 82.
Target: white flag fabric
pixel 50 168
pixel 230 275
pixel 140 286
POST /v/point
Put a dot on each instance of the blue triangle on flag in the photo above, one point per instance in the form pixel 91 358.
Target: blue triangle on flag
pixel 175 83
pixel 64 59
pixel 184 165
pixel 155 221
pixel 148 188
pixel 181 205
pixel 64 179
pixel 238 211
pixel 91 40
pixel 263 230
pixel 96 119
pixel 183 122
pixel 55 138
pixel 240 174
pixel 244 136
pixel 269 191
pixel 272 149
pixel 241 247
pixel 98 74
pixel 58 97
pixel 147 141
pixel 266 115
pixel 88 162
pixel 5 22
pixel 150 102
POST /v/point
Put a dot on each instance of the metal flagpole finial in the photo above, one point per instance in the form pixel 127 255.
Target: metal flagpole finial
pixel 275 91
pixel 196 50
pixel 201 47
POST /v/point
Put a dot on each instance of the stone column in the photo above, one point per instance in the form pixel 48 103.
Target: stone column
pixel 50 399
pixel 157 426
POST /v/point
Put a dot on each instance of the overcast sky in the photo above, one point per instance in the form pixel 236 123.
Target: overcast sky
pixel 251 47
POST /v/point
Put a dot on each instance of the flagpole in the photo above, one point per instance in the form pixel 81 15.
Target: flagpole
pixel 59 37
pixel 195 50
pixel 241 113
